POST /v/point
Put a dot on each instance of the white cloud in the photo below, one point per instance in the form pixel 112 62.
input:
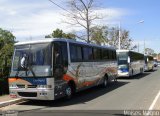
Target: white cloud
pixel 39 19
pixel 111 13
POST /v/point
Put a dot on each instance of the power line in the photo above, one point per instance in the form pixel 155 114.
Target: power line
pixel 59 6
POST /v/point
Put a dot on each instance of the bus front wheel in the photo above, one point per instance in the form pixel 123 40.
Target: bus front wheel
pixel 68 92
pixel 70 89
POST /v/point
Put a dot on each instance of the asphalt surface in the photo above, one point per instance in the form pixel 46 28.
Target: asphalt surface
pixel 135 93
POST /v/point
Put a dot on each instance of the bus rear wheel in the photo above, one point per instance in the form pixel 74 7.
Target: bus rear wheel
pixel 152 68
pixel 132 72
pixel 141 70
pixel 105 82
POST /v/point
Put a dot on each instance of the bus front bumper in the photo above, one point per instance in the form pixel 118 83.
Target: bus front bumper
pixel 36 94
pixel 123 74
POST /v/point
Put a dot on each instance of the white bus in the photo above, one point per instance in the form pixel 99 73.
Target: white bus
pixel 53 68
pixel 129 63
pixel 149 62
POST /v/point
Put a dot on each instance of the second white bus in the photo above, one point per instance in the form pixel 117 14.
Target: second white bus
pixel 129 63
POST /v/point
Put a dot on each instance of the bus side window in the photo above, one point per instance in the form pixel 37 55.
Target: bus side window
pixel 64 56
pixel 57 61
pixel 60 59
pixel 57 54
pixel 131 56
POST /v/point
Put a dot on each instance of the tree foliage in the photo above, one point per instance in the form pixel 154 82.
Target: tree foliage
pixel 125 40
pixel 149 51
pixel 154 55
pixel 110 36
pixel 60 34
pixel 99 34
pixel 7 40
pixel 81 14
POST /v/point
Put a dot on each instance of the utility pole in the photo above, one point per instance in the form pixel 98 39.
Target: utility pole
pixel 144 46
pixel 119 39
pixel 138 46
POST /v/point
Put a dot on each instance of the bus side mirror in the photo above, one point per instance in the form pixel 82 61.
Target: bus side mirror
pixel 147 59
pixel 129 60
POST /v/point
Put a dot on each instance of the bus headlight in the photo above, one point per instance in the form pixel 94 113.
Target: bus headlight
pixel 44 86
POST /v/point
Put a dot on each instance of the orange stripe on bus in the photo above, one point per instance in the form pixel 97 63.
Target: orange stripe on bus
pixel 67 77
pixel 12 80
pixel 88 83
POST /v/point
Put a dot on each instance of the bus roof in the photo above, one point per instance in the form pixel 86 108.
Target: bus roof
pixel 122 50
pixel 148 55
pixel 49 40
pixel 45 40
pixel 128 51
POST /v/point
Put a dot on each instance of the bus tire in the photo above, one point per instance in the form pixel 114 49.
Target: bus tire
pixel 132 73
pixel 105 82
pixel 70 90
pixel 141 70
pixel 115 80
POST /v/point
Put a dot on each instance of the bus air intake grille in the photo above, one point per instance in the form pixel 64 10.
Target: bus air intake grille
pixel 32 86
pixel 27 94
pixel 21 86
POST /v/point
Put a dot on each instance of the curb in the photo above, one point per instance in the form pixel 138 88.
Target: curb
pixel 10 102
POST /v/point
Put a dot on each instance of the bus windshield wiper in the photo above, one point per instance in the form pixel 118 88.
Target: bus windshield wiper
pixel 16 75
pixel 31 69
pixel 29 63
pixel 18 69
pixel 28 67
pixel 25 66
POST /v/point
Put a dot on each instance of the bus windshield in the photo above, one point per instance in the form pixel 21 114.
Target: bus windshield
pixel 31 61
pixel 145 59
pixel 122 58
pixel 148 59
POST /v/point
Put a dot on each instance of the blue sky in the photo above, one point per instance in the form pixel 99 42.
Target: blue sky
pixel 138 10
pixel 35 18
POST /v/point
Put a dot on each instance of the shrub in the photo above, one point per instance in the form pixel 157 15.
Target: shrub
pixel 4 89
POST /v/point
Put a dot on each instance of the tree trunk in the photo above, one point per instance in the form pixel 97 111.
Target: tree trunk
pixel 88 26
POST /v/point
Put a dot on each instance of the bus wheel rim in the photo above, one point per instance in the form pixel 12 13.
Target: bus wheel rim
pixel 68 91
pixel 105 82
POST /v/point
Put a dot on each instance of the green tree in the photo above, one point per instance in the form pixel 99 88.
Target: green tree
pixel 58 33
pixel 149 51
pixel 110 36
pixel 99 34
pixel 126 41
pixel 155 55
pixel 7 40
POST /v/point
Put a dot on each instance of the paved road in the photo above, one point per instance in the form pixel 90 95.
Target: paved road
pixel 136 93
